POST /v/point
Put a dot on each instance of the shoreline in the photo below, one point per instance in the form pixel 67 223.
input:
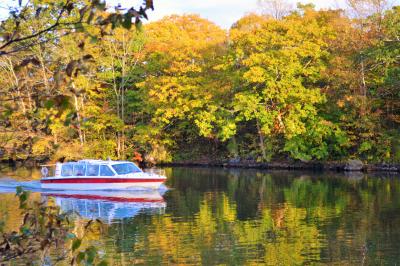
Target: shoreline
pixel 332 166
pixel 292 166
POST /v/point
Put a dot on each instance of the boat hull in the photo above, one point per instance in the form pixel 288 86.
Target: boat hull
pixel 101 183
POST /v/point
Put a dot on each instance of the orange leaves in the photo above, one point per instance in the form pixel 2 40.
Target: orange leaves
pixel 183 38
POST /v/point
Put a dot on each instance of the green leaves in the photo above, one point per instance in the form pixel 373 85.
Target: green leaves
pixel 321 140
pixel 2 224
pixel 90 254
pixel 76 244
pixel 87 256
pixel 80 257
pixel 23 196
pixel 276 61
pixel 127 21
pixel 102 263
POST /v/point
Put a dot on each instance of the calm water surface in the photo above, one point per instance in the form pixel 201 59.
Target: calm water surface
pixel 239 217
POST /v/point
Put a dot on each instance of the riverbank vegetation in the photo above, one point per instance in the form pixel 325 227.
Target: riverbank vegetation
pixel 47 233
pixel 302 84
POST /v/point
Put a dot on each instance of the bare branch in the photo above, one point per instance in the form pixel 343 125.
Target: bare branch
pixel 275 8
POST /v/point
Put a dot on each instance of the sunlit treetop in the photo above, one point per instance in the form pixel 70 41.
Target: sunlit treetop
pixel 189 32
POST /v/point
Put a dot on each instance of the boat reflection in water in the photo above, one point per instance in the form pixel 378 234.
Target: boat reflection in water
pixel 109 205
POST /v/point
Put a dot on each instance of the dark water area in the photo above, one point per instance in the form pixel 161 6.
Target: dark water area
pixel 215 216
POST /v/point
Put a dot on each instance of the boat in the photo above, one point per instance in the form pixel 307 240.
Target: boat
pixel 99 175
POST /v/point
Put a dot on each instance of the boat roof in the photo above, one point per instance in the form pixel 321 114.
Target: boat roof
pixel 92 161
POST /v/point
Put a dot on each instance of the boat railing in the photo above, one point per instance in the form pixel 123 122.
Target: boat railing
pixel 48 170
pixel 154 171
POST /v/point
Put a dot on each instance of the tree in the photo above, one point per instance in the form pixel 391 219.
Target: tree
pixel 277 9
pixel 56 18
pixel 310 85
pixel 122 58
pixel 365 8
pixel 178 87
pixel 280 62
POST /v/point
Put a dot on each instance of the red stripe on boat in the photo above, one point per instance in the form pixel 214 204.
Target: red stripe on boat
pixel 105 198
pixel 78 180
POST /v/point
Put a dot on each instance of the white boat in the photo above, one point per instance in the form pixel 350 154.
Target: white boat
pixel 99 175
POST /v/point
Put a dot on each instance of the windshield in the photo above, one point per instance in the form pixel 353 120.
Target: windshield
pixel 126 168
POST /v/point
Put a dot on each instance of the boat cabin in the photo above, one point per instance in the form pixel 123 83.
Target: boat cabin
pixel 92 168
pixel 99 175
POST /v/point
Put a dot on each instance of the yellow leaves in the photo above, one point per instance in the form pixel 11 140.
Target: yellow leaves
pixel 159 153
pixel 227 129
pixel 183 35
pixel 219 67
pixel 204 123
pixel 42 147
pixel 213 122
pixel 255 74
pixel 293 126
pixel 183 50
pixel 182 67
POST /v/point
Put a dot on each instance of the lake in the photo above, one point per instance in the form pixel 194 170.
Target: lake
pixel 213 216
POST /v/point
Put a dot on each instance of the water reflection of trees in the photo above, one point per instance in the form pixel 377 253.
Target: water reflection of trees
pixel 237 217
pixel 214 216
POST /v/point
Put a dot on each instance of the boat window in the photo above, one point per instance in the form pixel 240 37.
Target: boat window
pixel 126 168
pixel 106 171
pixel 79 169
pixel 66 170
pixel 92 170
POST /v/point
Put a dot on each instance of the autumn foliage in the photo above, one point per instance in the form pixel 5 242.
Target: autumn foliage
pixel 311 85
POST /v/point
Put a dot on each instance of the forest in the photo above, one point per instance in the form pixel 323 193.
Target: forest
pixel 301 84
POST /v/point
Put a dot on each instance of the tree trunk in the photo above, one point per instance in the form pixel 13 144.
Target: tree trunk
pixel 78 118
pixel 118 146
pixel 363 88
pixel 261 139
